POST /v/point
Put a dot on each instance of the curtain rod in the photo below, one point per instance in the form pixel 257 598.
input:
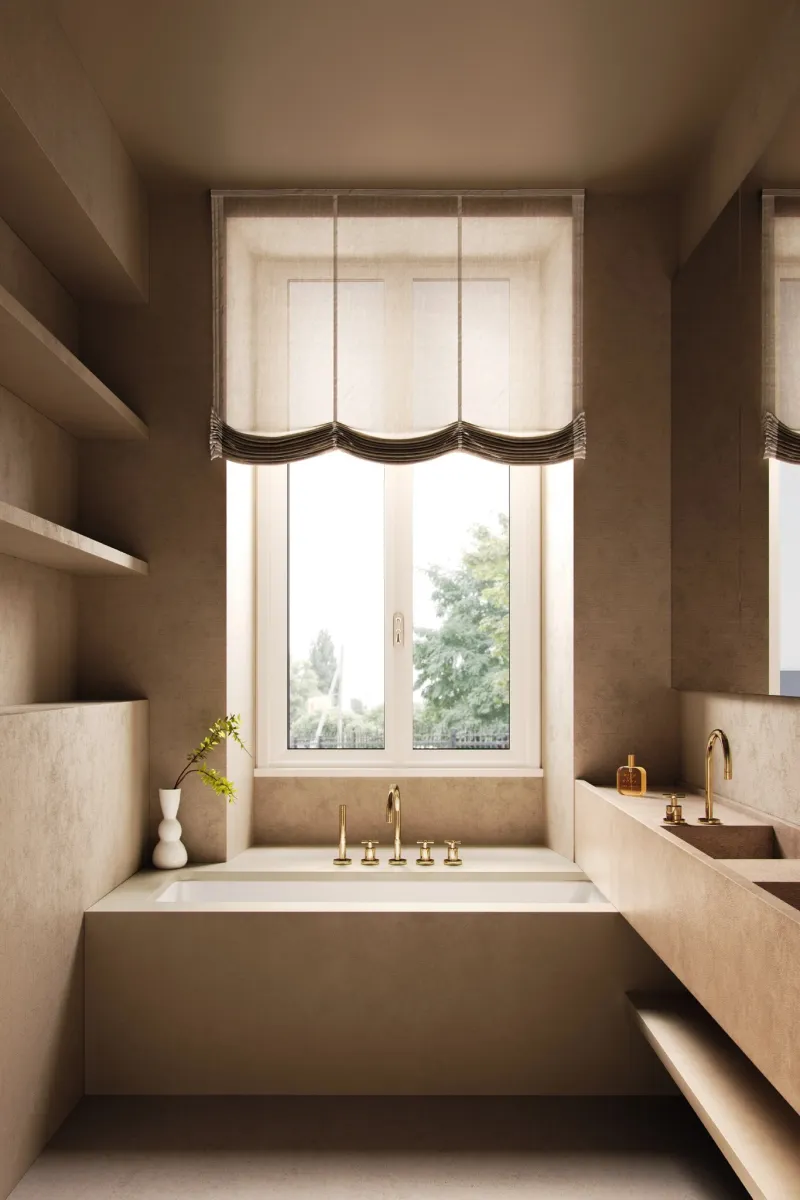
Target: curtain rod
pixel 512 193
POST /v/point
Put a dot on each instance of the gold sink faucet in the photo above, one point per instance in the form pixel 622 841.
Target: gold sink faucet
pixel 716 735
pixel 393 814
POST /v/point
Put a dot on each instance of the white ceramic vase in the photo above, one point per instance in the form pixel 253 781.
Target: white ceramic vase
pixel 170 851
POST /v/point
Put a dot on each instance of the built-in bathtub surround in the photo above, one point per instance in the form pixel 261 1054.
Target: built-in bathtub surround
pixel 72 811
pixel 487 811
pixel 765 742
pixel 281 973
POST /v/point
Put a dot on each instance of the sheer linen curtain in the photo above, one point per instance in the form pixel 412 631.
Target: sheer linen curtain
pixel 781 324
pixel 398 326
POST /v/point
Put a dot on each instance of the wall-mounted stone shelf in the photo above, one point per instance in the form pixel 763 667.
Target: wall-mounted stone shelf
pixel 37 368
pixel 756 1130
pixel 731 941
pixel 23 535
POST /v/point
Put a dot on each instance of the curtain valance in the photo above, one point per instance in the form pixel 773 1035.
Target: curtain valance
pixel 780 228
pixel 397 326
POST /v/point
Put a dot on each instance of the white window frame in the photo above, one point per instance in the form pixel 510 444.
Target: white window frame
pixel 272 642
pixel 273 757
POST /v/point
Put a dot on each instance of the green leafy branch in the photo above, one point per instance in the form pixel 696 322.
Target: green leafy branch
pixel 224 727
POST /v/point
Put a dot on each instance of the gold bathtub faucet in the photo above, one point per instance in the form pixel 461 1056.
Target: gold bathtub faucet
pixel 342 859
pixel 716 735
pixel 393 814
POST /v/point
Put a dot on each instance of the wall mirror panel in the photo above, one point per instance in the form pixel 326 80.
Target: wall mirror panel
pixel 736 513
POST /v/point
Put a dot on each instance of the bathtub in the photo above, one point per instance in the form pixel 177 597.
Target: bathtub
pixel 304 879
pixel 279 973
pixel 382 894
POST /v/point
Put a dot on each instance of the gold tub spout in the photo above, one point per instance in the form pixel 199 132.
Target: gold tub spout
pixel 393 814
pixel 715 736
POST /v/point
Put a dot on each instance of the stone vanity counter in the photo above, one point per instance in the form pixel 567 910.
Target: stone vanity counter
pixel 733 943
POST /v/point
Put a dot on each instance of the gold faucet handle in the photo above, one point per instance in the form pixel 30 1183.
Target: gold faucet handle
pixel 452 859
pixel 425 859
pixel 674 814
pixel 370 858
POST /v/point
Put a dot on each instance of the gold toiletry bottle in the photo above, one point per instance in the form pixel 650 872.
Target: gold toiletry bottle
pixel 631 780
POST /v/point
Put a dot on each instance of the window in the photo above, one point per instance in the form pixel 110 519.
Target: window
pixel 398 615
pixel 398 606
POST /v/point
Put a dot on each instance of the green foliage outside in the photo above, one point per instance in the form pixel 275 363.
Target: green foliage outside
pixel 224 727
pixel 322 660
pixel 462 668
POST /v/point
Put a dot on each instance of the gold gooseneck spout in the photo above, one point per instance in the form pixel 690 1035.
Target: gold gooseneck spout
pixel 715 736
pixel 393 815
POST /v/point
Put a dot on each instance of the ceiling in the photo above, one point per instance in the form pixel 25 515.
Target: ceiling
pixel 779 166
pixel 480 93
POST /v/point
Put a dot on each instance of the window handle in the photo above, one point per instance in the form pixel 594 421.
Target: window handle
pixel 398 629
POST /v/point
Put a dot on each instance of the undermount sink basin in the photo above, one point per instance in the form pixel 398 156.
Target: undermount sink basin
pixel 729 841
pixel 786 890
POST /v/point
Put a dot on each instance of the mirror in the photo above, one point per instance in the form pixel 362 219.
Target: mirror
pixel 735 514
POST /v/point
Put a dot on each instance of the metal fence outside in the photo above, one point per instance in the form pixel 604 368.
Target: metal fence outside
pixel 356 739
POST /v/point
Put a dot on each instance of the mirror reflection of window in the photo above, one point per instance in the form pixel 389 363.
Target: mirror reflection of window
pixel 789 551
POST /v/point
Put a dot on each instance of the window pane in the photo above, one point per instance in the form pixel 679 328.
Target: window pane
pixel 485 351
pixel 336 608
pixel 461 605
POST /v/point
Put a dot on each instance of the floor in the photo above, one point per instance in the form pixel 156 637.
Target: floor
pixel 243 1148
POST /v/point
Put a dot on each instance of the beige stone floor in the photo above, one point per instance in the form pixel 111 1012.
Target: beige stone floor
pixel 239 1148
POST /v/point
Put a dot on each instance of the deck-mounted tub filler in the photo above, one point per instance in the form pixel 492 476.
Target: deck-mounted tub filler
pixel 280 972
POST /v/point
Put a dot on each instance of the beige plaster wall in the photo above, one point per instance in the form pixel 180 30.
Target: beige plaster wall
pixel 72 811
pixel 37 462
pixel 37 633
pixel 720 492
pixel 37 605
pixel 31 283
pixel 763 733
pixel 483 811
pixel 68 186
pixel 163 636
pixel 623 700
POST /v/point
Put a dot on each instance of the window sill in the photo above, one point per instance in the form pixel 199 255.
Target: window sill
pixel 423 771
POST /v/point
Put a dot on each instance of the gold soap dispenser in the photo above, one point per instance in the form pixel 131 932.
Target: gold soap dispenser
pixel 631 780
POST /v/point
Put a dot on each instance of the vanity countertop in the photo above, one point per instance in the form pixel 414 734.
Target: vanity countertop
pixel 650 808
pixel 765 870
pixel 725 920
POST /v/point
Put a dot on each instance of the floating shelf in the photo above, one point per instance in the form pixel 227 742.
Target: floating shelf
pixel 754 1127
pixel 23 535
pixel 38 368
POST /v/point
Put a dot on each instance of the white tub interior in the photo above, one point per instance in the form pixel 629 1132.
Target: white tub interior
pixel 379 891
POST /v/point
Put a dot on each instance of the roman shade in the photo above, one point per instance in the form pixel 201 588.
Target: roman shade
pixel 397 326
pixel 780 233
